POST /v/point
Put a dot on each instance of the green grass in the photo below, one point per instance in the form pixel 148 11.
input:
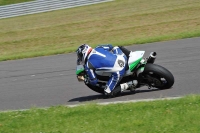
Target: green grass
pixel 121 22
pixel 164 116
pixel 7 2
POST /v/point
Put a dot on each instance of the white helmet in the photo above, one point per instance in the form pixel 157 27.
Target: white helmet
pixel 83 51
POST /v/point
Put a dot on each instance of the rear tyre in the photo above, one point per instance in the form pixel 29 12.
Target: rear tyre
pixel 158 76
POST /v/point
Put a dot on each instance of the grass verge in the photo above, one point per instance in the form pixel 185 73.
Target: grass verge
pixel 121 22
pixel 7 2
pixel 175 116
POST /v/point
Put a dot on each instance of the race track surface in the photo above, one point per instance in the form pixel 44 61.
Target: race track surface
pixel 50 81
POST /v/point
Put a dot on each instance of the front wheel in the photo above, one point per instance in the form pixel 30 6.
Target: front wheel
pixel 158 76
pixel 96 88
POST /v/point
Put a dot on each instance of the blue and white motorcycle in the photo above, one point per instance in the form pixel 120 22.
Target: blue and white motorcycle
pixel 140 69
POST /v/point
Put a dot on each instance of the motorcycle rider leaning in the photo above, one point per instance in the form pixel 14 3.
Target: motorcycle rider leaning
pixel 104 58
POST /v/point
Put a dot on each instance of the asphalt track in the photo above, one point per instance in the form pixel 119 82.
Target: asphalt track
pixel 51 81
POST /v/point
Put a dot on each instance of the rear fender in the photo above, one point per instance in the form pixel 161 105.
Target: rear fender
pixel 134 59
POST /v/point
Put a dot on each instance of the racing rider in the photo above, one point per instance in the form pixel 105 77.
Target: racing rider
pixel 104 58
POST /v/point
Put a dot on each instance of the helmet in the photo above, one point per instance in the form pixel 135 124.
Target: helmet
pixel 83 51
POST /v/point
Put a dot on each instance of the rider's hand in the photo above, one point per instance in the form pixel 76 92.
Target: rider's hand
pixel 86 80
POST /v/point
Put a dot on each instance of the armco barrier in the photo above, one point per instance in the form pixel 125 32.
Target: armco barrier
pixel 39 6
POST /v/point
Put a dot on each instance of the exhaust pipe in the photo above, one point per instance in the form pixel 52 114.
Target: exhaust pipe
pixel 152 57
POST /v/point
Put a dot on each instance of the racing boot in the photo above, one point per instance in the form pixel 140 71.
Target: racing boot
pixel 122 87
pixel 131 85
pixel 110 94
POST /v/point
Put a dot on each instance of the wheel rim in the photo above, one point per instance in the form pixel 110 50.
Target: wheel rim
pixel 157 80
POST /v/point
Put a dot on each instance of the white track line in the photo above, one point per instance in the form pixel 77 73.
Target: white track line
pixel 130 101
pixel 105 103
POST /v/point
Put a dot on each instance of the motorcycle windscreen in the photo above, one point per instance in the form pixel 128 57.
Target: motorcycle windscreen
pixel 134 59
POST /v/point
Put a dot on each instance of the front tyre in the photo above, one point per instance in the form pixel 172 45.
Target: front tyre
pixel 158 76
pixel 96 88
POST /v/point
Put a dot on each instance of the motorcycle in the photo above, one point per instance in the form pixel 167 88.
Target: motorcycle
pixel 140 69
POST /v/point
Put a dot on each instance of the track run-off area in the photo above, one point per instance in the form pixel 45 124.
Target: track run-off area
pixel 51 80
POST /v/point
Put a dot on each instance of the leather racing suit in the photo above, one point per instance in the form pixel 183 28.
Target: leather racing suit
pixel 108 59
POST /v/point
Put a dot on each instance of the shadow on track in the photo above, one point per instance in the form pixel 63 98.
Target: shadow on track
pixel 100 96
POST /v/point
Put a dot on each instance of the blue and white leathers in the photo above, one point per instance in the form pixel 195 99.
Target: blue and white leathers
pixel 108 59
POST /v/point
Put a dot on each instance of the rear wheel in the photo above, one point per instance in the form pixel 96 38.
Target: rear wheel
pixel 158 76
